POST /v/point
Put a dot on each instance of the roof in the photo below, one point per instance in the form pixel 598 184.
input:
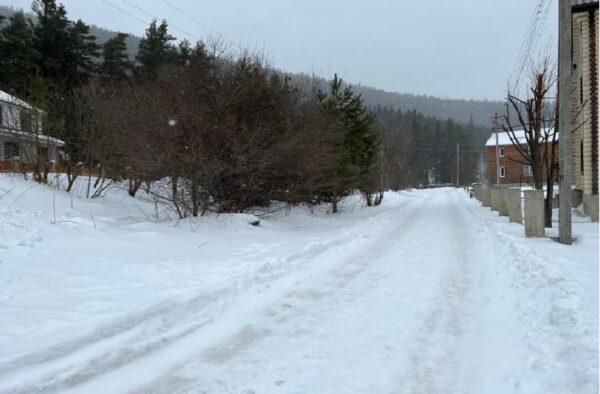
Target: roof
pixel 504 139
pixel 583 4
pixel 10 99
pixel 41 138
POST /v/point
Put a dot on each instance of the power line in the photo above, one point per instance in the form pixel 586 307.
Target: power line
pixel 200 23
pixel 537 33
pixel 530 40
pixel 524 43
pixel 527 42
pixel 125 12
pixel 154 17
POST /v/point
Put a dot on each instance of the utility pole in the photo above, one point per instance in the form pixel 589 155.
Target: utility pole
pixel 457 164
pixel 497 149
pixel 564 120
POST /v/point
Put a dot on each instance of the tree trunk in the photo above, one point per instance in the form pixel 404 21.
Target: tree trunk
pixel 334 203
pixel 134 186
pixel 549 197
pixel 194 195
pixel 71 177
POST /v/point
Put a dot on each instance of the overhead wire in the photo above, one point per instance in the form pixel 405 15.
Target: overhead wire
pixel 145 22
pixel 525 41
pixel 530 40
pixel 200 23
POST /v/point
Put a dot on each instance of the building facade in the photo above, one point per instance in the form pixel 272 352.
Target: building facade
pixel 512 171
pixel 22 139
pixel 585 165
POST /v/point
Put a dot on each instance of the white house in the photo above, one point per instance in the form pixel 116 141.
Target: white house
pixel 22 138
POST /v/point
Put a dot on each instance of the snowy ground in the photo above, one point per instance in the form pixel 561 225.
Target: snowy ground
pixel 428 293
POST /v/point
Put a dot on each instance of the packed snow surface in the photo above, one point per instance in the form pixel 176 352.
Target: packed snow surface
pixel 427 293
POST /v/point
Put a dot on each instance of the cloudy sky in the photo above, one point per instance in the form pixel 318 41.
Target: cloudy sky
pixel 457 49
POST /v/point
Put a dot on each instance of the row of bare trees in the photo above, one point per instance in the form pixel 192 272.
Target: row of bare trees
pixel 217 134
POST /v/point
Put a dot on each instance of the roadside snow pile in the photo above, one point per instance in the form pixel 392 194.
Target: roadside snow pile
pixel 76 271
pixel 558 303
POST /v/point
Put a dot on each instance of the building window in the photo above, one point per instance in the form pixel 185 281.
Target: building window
pixel 526 150
pixel 26 119
pixel 502 172
pixel 11 150
pixel 527 171
pixel 501 152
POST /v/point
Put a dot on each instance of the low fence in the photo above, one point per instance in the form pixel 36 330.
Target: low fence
pixel 14 166
pixel 520 207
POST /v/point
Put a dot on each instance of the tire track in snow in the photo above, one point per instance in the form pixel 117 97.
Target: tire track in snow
pixel 433 356
pixel 302 300
pixel 159 326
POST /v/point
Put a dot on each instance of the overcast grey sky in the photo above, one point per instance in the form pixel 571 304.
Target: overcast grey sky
pixel 457 49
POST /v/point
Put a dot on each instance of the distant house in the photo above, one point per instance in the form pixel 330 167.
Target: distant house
pixel 585 165
pixel 22 140
pixel 512 171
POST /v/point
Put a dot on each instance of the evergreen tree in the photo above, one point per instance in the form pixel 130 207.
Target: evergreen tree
pixel 81 52
pixel 17 56
pixel 155 49
pixel 184 52
pixel 51 37
pixel 358 156
pixel 115 63
pixel 67 50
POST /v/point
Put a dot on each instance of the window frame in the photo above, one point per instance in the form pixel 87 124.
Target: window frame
pixel 502 171
pixel 501 151
pixel 14 146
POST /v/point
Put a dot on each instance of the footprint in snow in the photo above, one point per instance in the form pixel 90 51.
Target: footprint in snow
pixel 30 240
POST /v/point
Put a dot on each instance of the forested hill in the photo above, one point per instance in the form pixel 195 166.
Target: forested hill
pixel 463 111
pixel 102 34
pixel 460 110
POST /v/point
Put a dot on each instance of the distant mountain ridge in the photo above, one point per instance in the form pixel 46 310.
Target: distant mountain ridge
pixel 464 111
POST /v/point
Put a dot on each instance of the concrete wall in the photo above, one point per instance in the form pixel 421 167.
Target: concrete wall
pixel 534 213
pixel 485 194
pixel 512 199
pixel 503 208
pixel 590 206
pixel 495 197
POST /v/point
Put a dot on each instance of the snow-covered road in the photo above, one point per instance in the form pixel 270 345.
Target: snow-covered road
pixel 429 293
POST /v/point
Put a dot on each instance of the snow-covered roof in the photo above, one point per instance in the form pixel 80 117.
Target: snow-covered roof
pixel 41 138
pixel 504 139
pixel 10 99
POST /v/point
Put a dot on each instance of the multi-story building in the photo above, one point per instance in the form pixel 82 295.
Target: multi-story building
pixel 22 139
pixel 512 167
pixel 585 165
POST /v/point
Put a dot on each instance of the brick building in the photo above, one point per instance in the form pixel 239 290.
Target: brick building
pixel 512 171
pixel 585 165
